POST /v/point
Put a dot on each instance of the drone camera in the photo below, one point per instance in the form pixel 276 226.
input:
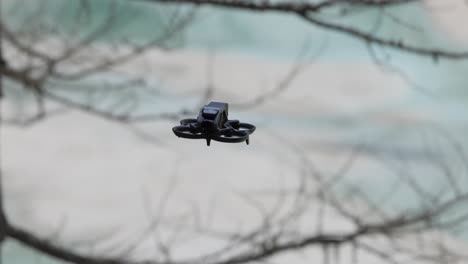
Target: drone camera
pixel 210 113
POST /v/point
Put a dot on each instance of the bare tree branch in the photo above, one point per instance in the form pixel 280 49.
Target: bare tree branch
pixel 308 12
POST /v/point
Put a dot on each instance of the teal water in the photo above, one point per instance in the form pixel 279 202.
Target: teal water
pixel 281 37
pixel 267 35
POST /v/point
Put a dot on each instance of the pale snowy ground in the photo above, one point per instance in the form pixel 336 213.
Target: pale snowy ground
pixel 94 184
pixel 451 16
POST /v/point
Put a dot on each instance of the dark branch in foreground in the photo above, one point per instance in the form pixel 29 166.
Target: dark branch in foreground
pixel 308 10
pixel 266 249
pixel 32 241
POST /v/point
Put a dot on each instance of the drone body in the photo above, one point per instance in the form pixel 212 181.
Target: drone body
pixel 212 123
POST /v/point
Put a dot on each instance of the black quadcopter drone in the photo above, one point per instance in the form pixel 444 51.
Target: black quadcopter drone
pixel 212 124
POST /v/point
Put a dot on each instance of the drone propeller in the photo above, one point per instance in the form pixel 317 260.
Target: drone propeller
pixel 229 134
pixel 235 132
pixel 188 129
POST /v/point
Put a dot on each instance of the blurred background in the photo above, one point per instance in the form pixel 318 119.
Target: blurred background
pixel 358 157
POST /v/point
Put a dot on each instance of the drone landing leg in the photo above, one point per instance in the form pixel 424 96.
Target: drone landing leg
pixel 247 141
pixel 208 140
